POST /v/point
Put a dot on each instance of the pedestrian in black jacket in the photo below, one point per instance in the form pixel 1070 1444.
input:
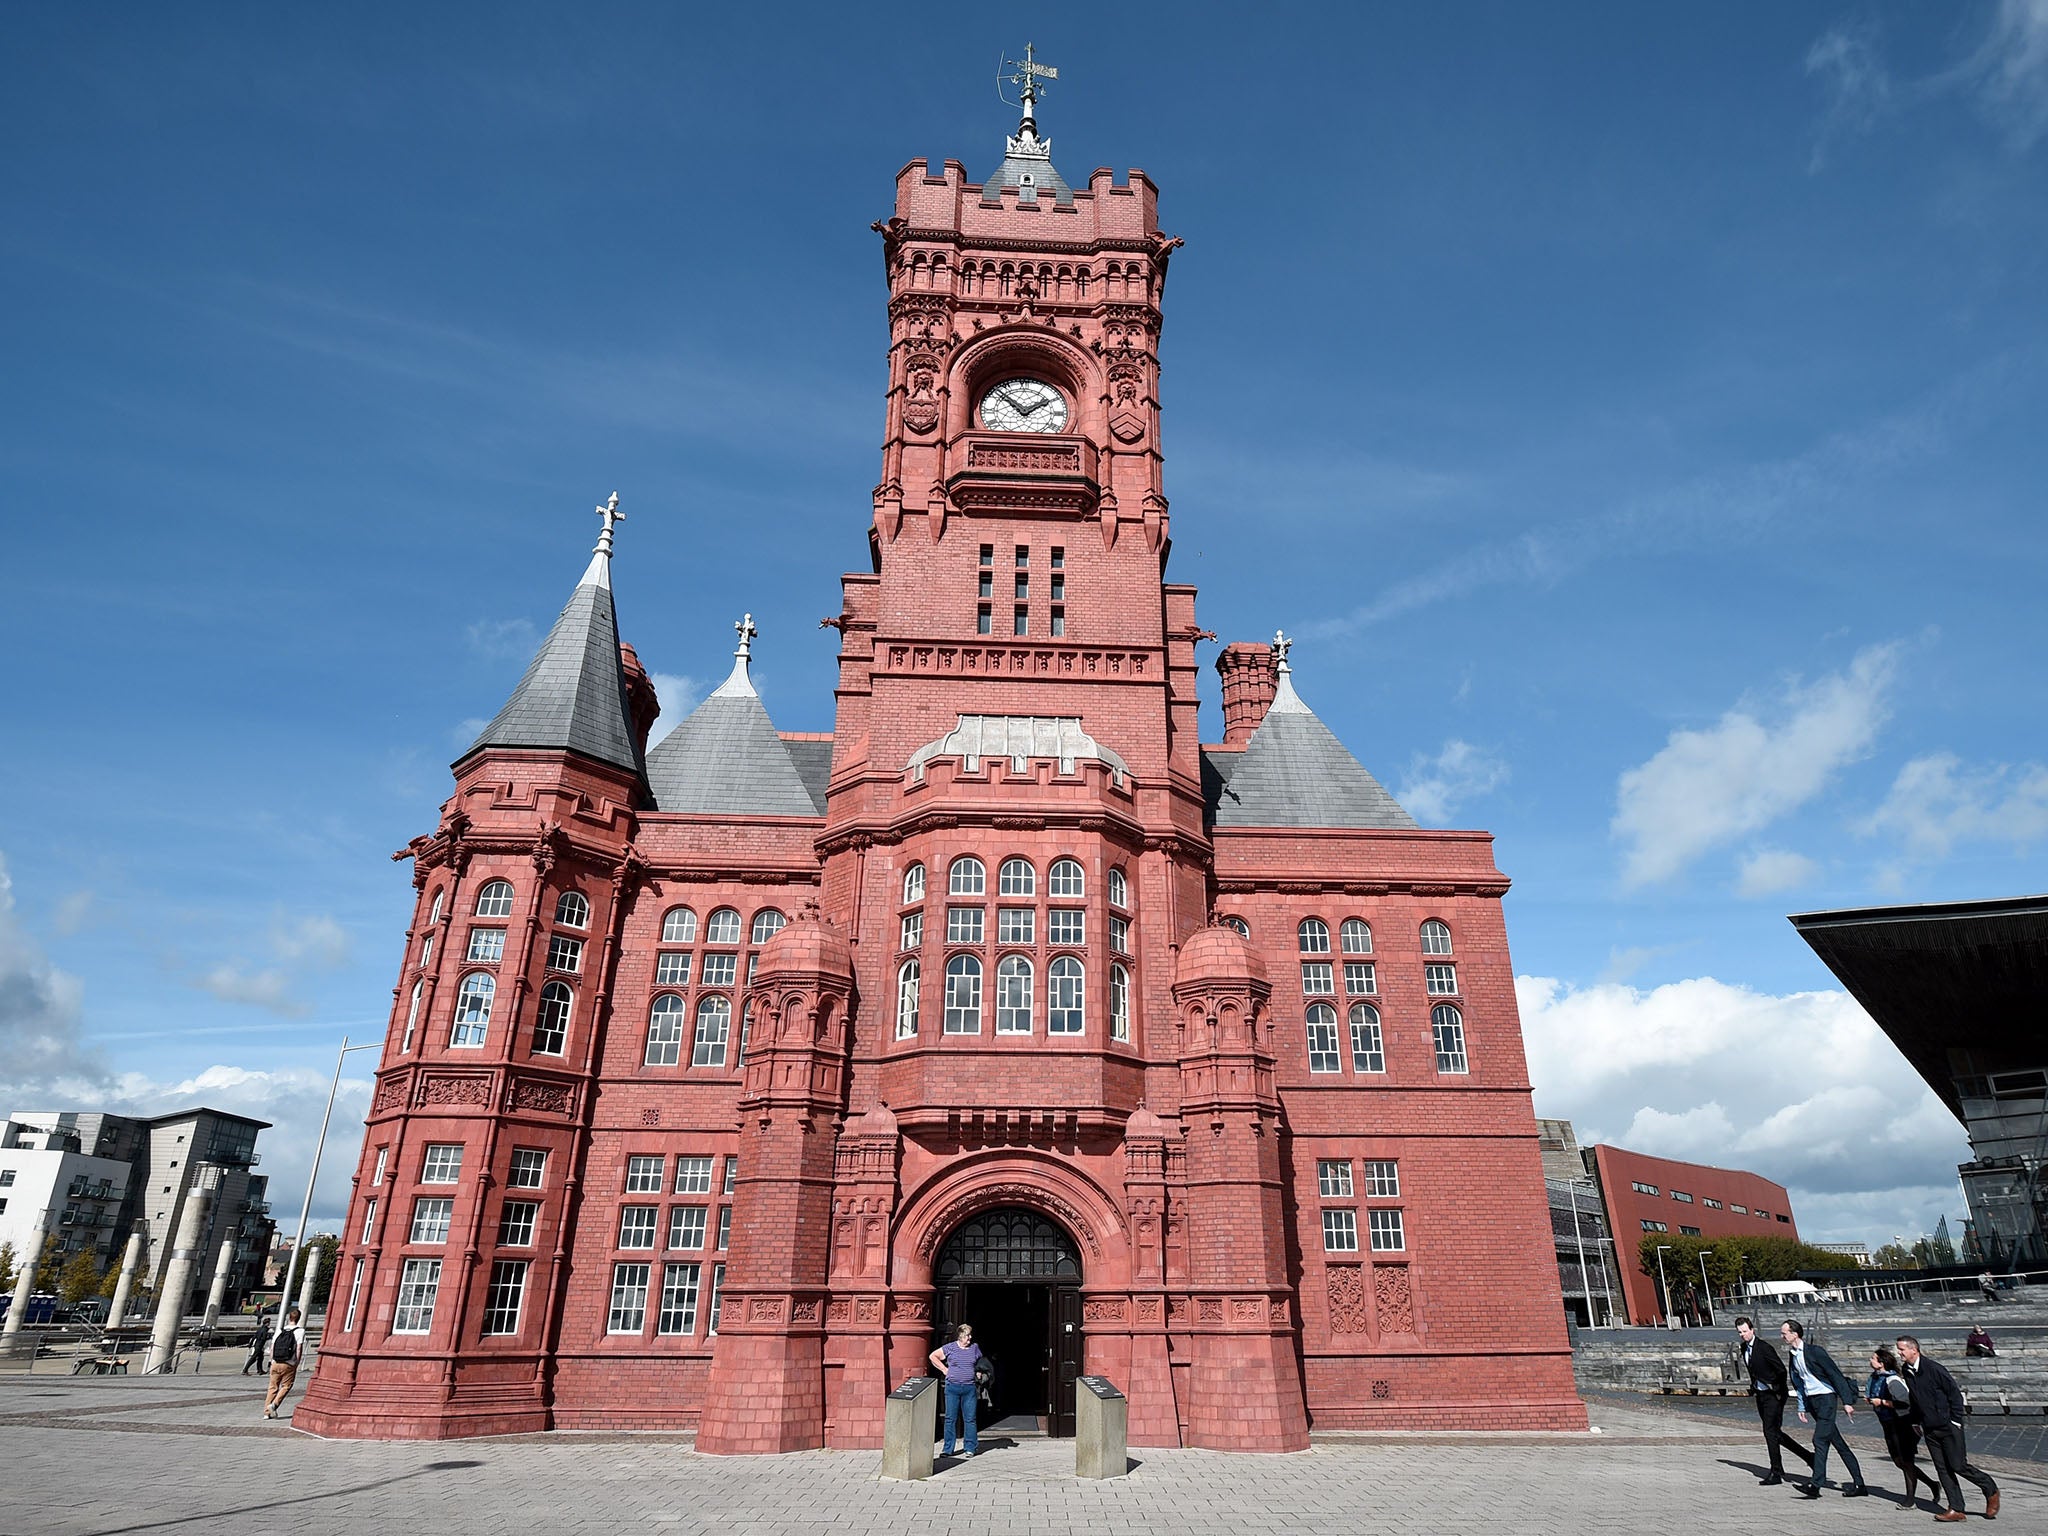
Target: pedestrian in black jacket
pixel 1823 1391
pixel 1938 1409
pixel 1767 1383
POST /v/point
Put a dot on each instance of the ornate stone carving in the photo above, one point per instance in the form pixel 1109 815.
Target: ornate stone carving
pixel 913 1309
pixel 1102 1309
pixel 804 1310
pixel 1149 1310
pixel 1209 1309
pixel 552 1098
pixel 841 1311
pixel 869 1309
pixel 442 1089
pixel 390 1094
pixel 1248 1309
pixel 1030 1196
pixel 1391 1298
pixel 765 1309
pixel 1348 1310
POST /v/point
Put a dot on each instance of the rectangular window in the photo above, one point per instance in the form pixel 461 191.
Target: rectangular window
pixel 1020 621
pixel 6 1178
pixel 724 1226
pixel 1119 935
pixel 1016 925
pixel 672 971
pixel 355 1294
pixel 442 1163
pixel 963 925
pixel 1786 1219
pixel 430 1220
pixel 1066 925
pixel 528 1168
pixel 1643 1189
pixel 1322 1044
pixel 913 931
pixel 1740 1210
pixel 1316 980
pixel 1359 980
pixel 984 621
pixel 629 1299
pixel 1450 1042
pixel 717 1295
pixel 1023 556
pixel 1681 1196
pixel 1686 1231
pixel 1333 1178
pixel 643 1175
pixel 987 586
pixel 1059 589
pixel 1367 1051
pixel 686 1225
pixel 1059 557
pixel 1340 1231
pixel 678 1299
pixel 418 1283
pixel 369 1220
pixel 501 1300
pixel 377 1174
pixel 1655 1226
pixel 1387 1236
pixel 1711 1203
pixel 1056 622
pixel 720 970
pixel 636 1226
pixel 732 1173
pixel 565 954
pixel 486 945
pixel 693 1175
pixel 1383 1179
pixel 1442 980
pixel 1023 586
pixel 515 1224
pixel 988 554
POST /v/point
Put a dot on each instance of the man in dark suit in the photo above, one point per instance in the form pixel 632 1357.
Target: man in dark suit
pixel 1767 1382
pixel 1823 1391
pixel 1938 1409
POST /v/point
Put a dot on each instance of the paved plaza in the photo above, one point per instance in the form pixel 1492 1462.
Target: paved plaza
pixel 104 1456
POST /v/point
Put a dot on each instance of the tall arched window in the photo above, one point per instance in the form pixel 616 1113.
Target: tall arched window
pixel 723 927
pixel 714 1023
pixel 1013 996
pixel 473 1009
pixel 967 878
pixel 1119 889
pixel 665 1031
pixel 412 1015
pixel 1017 878
pixel 1064 879
pixel 572 910
pixel 913 884
pixel 1315 936
pixel 906 1000
pixel 1065 993
pixel 1448 1025
pixel 1322 1039
pixel 1119 1003
pixel 1368 1054
pixel 551 1019
pixel 434 913
pixel 963 995
pixel 679 926
pixel 495 899
pixel 1355 938
pixel 1242 928
pixel 1436 938
pixel 767 923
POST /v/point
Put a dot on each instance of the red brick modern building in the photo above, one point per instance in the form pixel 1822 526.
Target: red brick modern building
pixel 1648 1195
pixel 723 1076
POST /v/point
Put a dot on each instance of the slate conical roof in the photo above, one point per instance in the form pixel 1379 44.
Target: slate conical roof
pixel 1027 166
pixel 726 759
pixel 573 696
pixel 1295 773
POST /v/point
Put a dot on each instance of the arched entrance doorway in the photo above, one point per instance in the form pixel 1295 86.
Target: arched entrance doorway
pixel 1016 1276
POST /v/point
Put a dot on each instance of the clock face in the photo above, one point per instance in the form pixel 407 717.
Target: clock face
pixel 1024 405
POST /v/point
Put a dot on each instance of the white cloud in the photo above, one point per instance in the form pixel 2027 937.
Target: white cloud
pixel 1856 83
pixel 40 1006
pixel 1801 1088
pixel 679 694
pixel 1771 870
pixel 297 949
pixel 73 912
pixel 1710 787
pixel 2009 71
pixel 503 639
pixel 1435 786
pixel 1935 804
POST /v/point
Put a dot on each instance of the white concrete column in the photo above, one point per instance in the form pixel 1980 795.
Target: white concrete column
pixel 117 1310
pixel 177 1283
pixel 219 1291
pixel 306 1290
pixel 17 1311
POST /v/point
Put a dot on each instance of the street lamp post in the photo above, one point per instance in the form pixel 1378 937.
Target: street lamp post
pixel 1664 1285
pixel 291 1264
pixel 1707 1286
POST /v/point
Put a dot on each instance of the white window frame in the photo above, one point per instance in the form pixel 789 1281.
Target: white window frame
pixel 1016 877
pixel 1318 979
pixel 517 1220
pixel 1066 880
pixel 967 876
pixel 565 953
pixel 1447 1024
pixel 1066 997
pixel 486 947
pixel 1119 1003
pixel 1016 925
pixel 474 1002
pixel 523 1159
pixel 504 1298
pixel 1382 1178
pixel 1340 1230
pixel 908 979
pixel 639 1227
pixel 1354 936
pixel 355 1293
pixel 1119 889
pixel 963 995
pixel 689 1167
pixel 432 1216
pixel 679 1286
pixel 1386 1230
pixel 966 925
pixel 665 1022
pixel 645 1173
pixel 572 909
pixel 1067 927
pixel 1436 937
pixel 438 1166
pixel 627 1313
pixel 1312 936
pixel 713 1030
pixel 419 1287
pixel 1323 1055
pixel 913 884
pixel 552 1016
pixel 494 899
pixel 1333 1178
pixel 912 934
pixel 1016 982
pixel 685 1223
pixel 679 926
pixel 1440 979
pixel 1368 1044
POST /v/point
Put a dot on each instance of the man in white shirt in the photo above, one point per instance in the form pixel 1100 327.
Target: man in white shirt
pixel 1823 1390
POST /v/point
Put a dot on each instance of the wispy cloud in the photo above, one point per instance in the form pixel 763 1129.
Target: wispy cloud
pixel 1935 803
pixel 297 950
pixel 1435 786
pixel 40 1005
pixel 74 911
pixel 503 639
pixel 1853 78
pixel 1767 871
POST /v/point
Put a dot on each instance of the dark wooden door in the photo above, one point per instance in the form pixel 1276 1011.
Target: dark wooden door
pixel 1064 1353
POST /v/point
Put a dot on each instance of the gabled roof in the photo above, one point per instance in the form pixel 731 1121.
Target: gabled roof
pixel 1295 773
pixel 726 759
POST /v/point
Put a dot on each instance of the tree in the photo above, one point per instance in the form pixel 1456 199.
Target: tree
pixel 48 1267
pixel 7 1272
pixel 328 1246
pixel 1894 1256
pixel 79 1278
pixel 1733 1260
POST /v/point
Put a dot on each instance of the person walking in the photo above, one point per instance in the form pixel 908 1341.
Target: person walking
pixel 259 1342
pixel 1892 1399
pixel 1767 1382
pixel 1823 1392
pixel 958 1360
pixel 1938 1406
pixel 287 1349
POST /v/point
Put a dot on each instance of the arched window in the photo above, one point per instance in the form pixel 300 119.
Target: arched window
pixel 1119 1003
pixel 434 913
pixel 495 899
pixel 551 1020
pixel 1354 937
pixel 1322 1039
pixel 906 1000
pixel 1448 1025
pixel 913 884
pixel 963 995
pixel 572 910
pixel 1064 878
pixel 967 878
pixel 714 1023
pixel 473 1008
pixel 1017 878
pixel 679 926
pixel 722 927
pixel 1367 1052
pixel 1065 988
pixel 412 1015
pixel 1013 996
pixel 1315 936
pixel 1119 889
pixel 767 923
pixel 665 1031
pixel 1436 938
pixel 1242 928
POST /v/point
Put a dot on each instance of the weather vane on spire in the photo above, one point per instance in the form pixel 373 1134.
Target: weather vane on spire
pixel 609 511
pixel 1028 76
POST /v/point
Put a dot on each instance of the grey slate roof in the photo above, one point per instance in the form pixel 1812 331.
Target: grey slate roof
pixel 813 761
pixel 573 695
pixel 1027 166
pixel 1295 773
pixel 726 759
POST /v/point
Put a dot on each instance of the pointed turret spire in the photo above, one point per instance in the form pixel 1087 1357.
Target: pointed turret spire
pixel 1027 161
pixel 740 685
pixel 1285 700
pixel 573 696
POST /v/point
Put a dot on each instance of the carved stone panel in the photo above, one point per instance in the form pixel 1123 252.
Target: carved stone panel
pixel 1391 1298
pixel 1348 1310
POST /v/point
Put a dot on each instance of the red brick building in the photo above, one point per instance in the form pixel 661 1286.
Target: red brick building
pixel 1647 1195
pixel 723 1076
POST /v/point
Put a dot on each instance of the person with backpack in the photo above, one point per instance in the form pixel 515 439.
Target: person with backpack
pixel 259 1342
pixel 287 1349
pixel 1889 1394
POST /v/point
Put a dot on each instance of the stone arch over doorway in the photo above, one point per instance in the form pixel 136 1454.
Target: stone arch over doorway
pixel 1021 1179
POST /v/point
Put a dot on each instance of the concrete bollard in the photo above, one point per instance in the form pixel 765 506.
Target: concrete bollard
pixel 177 1287
pixel 219 1290
pixel 17 1310
pixel 306 1290
pixel 1102 1423
pixel 117 1309
pixel 910 1429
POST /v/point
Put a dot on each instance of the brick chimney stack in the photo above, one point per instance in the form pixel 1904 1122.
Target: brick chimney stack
pixel 1248 686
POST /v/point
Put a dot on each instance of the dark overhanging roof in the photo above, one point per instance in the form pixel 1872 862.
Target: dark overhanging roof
pixel 1960 987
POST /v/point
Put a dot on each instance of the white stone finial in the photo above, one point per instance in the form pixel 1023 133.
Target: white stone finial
pixel 741 683
pixel 747 630
pixel 1281 646
pixel 1285 700
pixel 600 571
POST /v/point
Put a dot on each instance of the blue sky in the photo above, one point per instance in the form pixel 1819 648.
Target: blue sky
pixel 1635 412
